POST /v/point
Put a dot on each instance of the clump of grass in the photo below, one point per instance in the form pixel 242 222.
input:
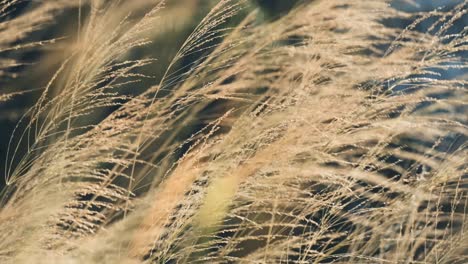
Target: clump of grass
pixel 324 135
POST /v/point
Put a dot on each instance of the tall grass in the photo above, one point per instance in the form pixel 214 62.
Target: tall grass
pixel 325 135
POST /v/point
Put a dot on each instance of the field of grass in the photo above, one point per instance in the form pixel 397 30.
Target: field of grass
pixel 233 131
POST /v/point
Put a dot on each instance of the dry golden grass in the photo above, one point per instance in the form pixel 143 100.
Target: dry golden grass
pixel 323 136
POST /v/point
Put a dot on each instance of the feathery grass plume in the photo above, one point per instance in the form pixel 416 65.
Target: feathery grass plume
pixel 22 27
pixel 16 28
pixel 322 136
